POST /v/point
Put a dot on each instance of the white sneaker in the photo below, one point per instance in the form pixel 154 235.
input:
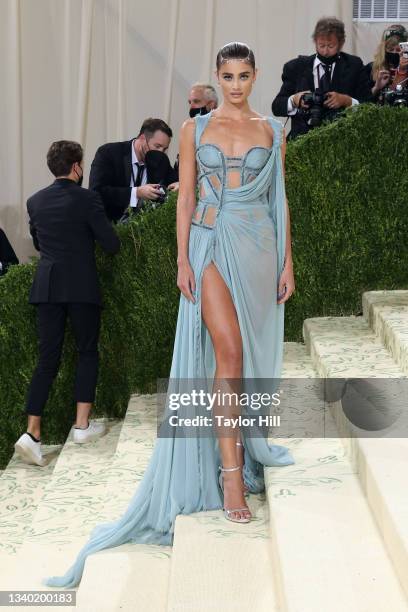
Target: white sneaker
pixel 29 451
pixel 93 431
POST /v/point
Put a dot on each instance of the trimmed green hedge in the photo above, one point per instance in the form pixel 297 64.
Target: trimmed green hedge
pixel 347 190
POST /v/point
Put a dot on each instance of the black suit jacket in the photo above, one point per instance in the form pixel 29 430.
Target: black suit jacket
pixel 110 177
pixel 65 221
pixel 349 77
pixel 7 254
pixel 369 70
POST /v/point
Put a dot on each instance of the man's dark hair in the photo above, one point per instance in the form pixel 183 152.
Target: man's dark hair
pixel 62 154
pixel 330 25
pixel 150 126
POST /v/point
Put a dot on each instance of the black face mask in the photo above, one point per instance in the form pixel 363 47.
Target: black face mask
pixel 80 178
pixel 328 60
pixel 393 59
pixel 202 110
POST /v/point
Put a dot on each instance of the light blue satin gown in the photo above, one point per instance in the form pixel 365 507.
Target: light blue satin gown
pixel 241 230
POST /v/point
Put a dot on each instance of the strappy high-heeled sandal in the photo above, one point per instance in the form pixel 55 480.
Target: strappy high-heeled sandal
pixel 246 490
pixel 227 512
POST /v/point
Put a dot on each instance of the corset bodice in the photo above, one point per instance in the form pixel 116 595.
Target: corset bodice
pixel 232 183
pixel 212 161
pixel 213 168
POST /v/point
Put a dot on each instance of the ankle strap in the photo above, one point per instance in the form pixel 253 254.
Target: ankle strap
pixel 231 469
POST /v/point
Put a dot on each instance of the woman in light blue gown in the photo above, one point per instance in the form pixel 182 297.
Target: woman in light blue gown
pixel 235 273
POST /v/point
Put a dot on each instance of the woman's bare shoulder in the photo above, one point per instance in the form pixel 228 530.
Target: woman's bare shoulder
pixel 264 123
pixel 187 130
pixel 258 117
pixel 262 120
pixel 188 125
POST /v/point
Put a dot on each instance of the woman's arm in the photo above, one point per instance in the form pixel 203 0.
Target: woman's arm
pixel 186 203
pixel 288 245
pixel 286 280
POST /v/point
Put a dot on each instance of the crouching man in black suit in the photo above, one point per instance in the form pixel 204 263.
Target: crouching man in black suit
pixel 124 176
pixel 338 79
pixel 65 220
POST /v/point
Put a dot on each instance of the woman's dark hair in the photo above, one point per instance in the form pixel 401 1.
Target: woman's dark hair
pixel 62 154
pixel 235 51
pixel 330 25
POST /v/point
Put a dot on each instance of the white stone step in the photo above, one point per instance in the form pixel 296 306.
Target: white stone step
pixel 296 361
pixel 127 578
pixel 68 509
pixel 21 489
pixel 347 347
pixel 387 314
pixel 327 553
pixel 132 576
pixel 322 527
pixel 221 565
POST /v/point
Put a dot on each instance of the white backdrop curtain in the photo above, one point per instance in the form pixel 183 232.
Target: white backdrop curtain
pixel 92 70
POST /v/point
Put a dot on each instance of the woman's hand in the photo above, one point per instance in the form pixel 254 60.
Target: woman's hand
pixel 186 280
pixel 383 78
pixel 286 284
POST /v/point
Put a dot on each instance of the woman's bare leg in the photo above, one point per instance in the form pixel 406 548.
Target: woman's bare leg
pixel 239 451
pixel 220 318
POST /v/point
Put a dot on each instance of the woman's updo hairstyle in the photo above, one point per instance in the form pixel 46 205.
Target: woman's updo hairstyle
pixel 235 51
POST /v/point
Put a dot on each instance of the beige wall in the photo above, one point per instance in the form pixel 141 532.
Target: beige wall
pixel 92 70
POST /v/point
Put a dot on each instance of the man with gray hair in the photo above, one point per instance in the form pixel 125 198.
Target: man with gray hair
pixel 202 99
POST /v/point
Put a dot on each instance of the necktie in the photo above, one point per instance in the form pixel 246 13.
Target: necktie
pixel 139 176
pixel 136 183
pixel 325 79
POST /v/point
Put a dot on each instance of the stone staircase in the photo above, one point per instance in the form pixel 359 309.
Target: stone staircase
pixel 330 533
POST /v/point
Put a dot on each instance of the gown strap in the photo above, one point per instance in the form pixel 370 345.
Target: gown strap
pixel 278 130
pixel 200 125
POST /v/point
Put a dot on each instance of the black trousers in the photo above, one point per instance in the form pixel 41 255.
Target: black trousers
pixel 51 321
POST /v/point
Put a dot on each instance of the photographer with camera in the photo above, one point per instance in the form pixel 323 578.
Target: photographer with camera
pixel 317 87
pixel 127 173
pixel 388 73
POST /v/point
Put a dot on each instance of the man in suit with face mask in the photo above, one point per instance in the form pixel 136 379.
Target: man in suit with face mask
pixel 65 221
pixel 202 98
pixel 119 171
pixel 339 76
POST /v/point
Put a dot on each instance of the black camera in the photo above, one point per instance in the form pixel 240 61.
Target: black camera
pixel 163 194
pixel 316 112
pixel 397 97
